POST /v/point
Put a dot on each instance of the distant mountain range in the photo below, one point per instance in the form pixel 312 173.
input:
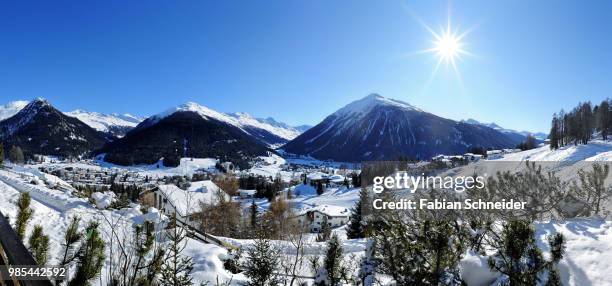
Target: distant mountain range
pixel 521 134
pixel 378 128
pixel 372 128
pixel 268 130
pixel 116 124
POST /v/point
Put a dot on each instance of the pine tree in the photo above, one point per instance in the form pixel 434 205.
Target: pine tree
pixel 39 245
pixel 592 188
pixel 16 155
pixel 320 188
pixel 177 267
pixel 71 238
pixel 517 256
pixel 419 252
pixel 325 232
pixel 24 213
pixel 334 269
pixel 554 133
pixel 90 257
pixel 1 153
pixel 367 266
pixel 603 119
pixel 557 249
pixel 144 239
pixel 253 214
pixel 357 222
pixel 262 264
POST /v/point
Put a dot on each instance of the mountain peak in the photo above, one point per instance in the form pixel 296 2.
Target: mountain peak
pixel 40 101
pixel 36 105
pixel 201 110
pixel 364 105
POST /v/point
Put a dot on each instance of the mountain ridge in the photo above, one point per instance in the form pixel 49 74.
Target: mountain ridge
pixel 378 128
pixel 39 128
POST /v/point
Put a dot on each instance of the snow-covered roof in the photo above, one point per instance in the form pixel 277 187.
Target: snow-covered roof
pixel 330 210
pixel 336 178
pixel 188 201
pixel 247 192
pixel 317 176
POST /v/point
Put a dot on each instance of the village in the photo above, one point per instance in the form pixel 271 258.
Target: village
pixel 191 194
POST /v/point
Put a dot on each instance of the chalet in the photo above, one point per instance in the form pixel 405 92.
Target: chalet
pixel 495 154
pixel 316 177
pixel 313 218
pixel 186 203
pixel 470 157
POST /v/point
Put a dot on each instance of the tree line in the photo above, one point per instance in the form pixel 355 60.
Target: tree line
pixel 578 125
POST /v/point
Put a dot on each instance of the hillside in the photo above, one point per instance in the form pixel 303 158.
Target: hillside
pixel 378 128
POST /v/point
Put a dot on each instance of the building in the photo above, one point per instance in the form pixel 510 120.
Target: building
pixel 247 194
pixel 495 154
pixel 171 199
pixel 316 177
pixel 313 218
pixel 470 157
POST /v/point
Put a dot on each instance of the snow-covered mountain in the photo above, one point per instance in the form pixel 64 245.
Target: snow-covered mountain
pixel 378 128
pixel 267 131
pixel 39 128
pixel 115 124
pixel 11 108
pixel 188 130
pixel 538 135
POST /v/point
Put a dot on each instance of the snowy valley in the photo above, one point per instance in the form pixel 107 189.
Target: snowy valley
pixel 243 190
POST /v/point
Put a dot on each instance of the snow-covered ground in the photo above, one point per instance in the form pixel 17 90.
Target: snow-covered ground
pixel 588 246
pixel 54 209
pixel 596 150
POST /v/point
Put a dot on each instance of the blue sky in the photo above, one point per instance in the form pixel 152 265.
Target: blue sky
pixel 298 61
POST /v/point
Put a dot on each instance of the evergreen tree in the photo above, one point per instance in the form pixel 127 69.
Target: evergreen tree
pixel 16 155
pixel 71 238
pixel 320 188
pixel 90 257
pixel 325 232
pixel 39 245
pixel 367 269
pixel 419 252
pixel 557 249
pixel 262 264
pixel 603 119
pixel 24 214
pixel 1 153
pixel 517 256
pixel 355 179
pixel 357 222
pixel 592 189
pixel 177 267
pixel 253 214
pixel 530 143
pixel 334 269
pixel 143 242
pixel 554 133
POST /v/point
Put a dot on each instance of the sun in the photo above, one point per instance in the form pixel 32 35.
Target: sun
pixel 448 46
